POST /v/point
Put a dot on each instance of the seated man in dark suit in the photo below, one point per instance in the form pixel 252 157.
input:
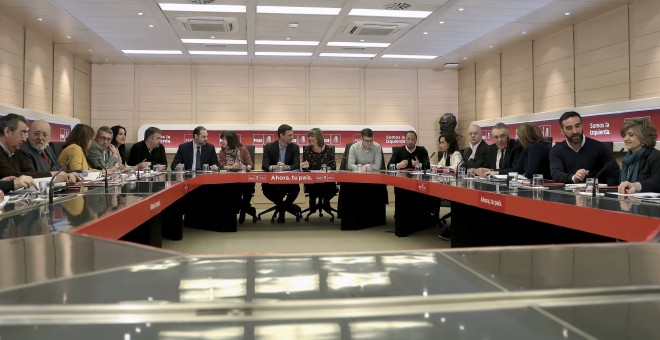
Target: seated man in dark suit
pixel 409 156
pixel 149 151
pixel 8 184
pixel 36 151
pixel 476 154
pixel 194 154
pixel 13 132
pixel 504 153
pixel 282 154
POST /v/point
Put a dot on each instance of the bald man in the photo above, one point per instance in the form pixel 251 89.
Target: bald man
pixel 36 151
pixel 476 154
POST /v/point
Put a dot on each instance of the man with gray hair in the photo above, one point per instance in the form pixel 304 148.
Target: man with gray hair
pixel 36 151
pixel 504 153
pixel 102 154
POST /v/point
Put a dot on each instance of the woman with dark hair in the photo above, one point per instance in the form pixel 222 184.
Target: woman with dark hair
pixel 640 169
pixel 314 156
pixel 451 154
pixel 74 150
pixel 233 155
pixel 119 141
pixel 535 157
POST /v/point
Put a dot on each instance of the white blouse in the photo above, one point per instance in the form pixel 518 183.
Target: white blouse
pixel 455 159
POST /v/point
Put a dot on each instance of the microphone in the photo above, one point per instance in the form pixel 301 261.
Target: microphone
pixel 52 180
pixel 137 173
pixel 105 179
pixel 595 186
pixel 430 157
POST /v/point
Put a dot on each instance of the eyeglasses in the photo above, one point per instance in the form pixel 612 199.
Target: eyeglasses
pixel 23 133
pixel 368 140
pixel 105 139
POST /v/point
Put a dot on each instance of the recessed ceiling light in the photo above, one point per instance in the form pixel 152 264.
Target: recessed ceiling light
pixel 347 55
pixel 461 9
pixel 395 65
pixel 408 56
pixel 451 65
pixel 361 39
pixel 67 36
pixel 40 19
pixel 286 43
pixel 140 13
pixel 491 46
pixel 441 22
pixel 285 54
pixel 567 13
pixel 212 37
pixel 523 32
pixel 107 61
pixel 425 33
pixel 214 41
pixel 218 52
pixel 298 10
pixel 287 38
pixel 202 8
pixel 90 50
pixel 152 51
pixel 388 13
pixel 357 44
pixel 151 26
pixel 465 58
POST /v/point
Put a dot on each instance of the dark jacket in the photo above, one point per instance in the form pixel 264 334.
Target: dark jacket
pixel 649 171
pixel 16 165
pixel 185 155
pixel 402 153
pixel 33 157
pixel 533 160
pixel 272 155
pixel 511 155
pixel 593 156
pixel 140 153
pixel 480 159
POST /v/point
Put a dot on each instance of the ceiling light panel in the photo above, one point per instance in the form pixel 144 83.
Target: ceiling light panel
pixel 347 55
pixel 215 41
pixel 284 54
pixel 408 56
pixel 152 52
pixel 208 8
pixel 357 44
pixel 227 53
pixel 388 13
pixel 286 42
pixel 298 10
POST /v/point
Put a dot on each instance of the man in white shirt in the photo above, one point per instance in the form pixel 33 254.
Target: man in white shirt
pixel 367 153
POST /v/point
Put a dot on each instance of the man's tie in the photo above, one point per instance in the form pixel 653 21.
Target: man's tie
pixel 45 157
pixel 501 159
pixel 198 159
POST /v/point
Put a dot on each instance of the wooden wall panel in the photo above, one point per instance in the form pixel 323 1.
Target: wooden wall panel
pixel 518 80
pixel 12 40
pixel 63 78
pixel 335 96
pixel 390 96
pixel 222 94
pixel 165 94
pixel 554 79
pixel 113 97
pixel 38 95
pixel 488 87
pixel 645 49
pixel 602 59
pixel 280 95
pixel 467 99
pixel 82 90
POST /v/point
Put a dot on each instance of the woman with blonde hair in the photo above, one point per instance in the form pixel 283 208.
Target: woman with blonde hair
pixel 535 157
pixel 74 150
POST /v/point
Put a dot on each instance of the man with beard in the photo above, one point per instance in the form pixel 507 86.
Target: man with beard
pixel 36 151
pixel 580 157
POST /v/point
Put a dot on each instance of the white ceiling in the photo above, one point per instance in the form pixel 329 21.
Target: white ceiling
pixel 101 29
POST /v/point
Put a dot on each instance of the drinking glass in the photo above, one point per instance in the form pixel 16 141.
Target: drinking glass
pixel 243 167
pixel 418 167
pixel 367 168
pixel 434 168
pixel 512 178
pixel 324 167
pixel 470 173
pixel 280 167
pixel 205 168
pixel 392 167
pixel 359 168
pixel 461 173
pixel 591 182
pixel 537 181
pixel 43 189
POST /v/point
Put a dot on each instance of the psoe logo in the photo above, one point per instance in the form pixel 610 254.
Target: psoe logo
pixel 154 205
pixel 421 186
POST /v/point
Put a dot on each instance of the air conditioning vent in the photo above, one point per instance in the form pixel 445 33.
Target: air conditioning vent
pixel 208 24
pixel 373 28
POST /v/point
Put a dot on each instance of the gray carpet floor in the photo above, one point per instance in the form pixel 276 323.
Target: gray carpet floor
pixel 319 235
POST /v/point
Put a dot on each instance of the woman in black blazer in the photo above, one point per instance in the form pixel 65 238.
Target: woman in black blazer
pixel 640 169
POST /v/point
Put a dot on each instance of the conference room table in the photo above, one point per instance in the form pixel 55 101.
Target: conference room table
pixel 483 212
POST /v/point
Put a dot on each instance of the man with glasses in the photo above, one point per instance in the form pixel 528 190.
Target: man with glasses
pixel 102 154
pixel 504 153
pixel 149 151
pixel 476 154
pixel 367 154
pixel 36 151
pixel 13 132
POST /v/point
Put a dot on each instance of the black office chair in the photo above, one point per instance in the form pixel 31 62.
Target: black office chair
pixel 57 148
pixel 127 150
pixel 295 211
pixel 246 208
pixel 320 203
